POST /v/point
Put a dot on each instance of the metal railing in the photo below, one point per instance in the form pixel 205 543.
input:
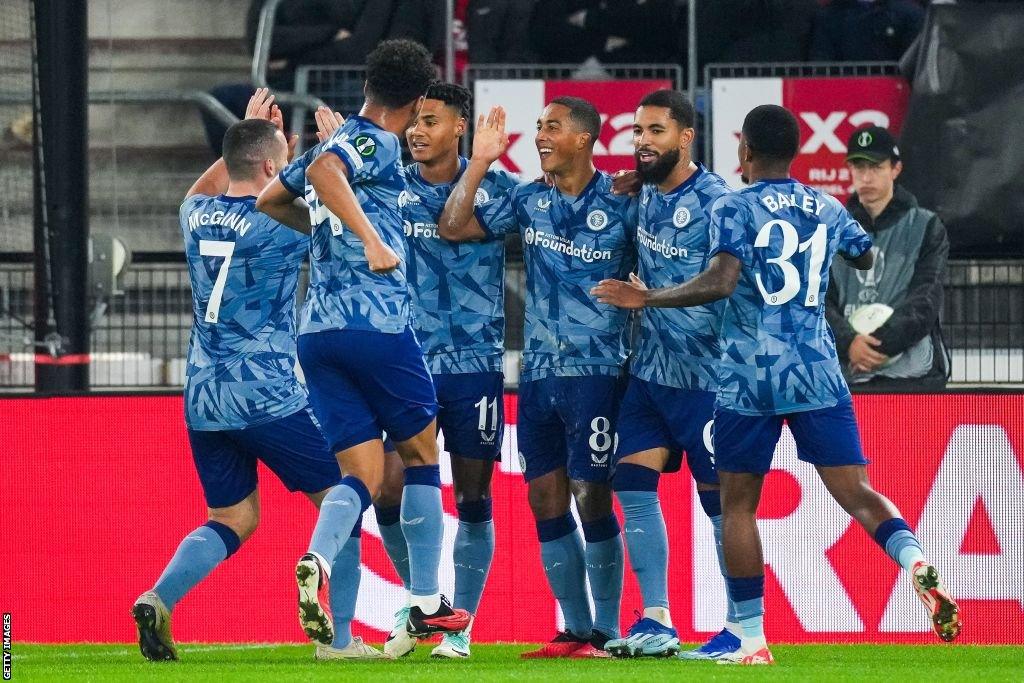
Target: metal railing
pixel 204 100
pixel 142 338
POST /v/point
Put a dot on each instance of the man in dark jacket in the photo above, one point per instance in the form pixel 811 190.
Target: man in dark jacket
pixel 911 247
pixel 865 30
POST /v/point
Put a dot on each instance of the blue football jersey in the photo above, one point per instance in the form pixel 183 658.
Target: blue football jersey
pixel 778 353
pixel 343 292
pixel 293 176
pixel 678 347
pixel 458 290
pixel 569 245
pixel 244 267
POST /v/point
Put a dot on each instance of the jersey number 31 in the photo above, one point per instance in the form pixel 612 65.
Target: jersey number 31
pixel 791 274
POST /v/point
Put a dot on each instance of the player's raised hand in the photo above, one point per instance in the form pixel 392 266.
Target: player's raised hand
pixel 627 183
pixel 632 294
pixel 489 138
pixel 260 105
pixel 380 257
pixel 327 122
pixel 277 118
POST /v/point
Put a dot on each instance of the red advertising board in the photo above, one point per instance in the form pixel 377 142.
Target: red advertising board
pixel 828 110
pixel 97 492
pixel 524 100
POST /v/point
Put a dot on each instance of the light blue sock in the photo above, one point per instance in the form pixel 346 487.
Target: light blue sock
pixel 730 607
pixel 647 540
pixel 561 552
pixel 747 593
pixel 391 535
pixel 604 569
pixel 899 542
pixel 340 511
pixel 750 615
pixel 474 550
pixel 423 526
pixel 196 556
pixel 345 576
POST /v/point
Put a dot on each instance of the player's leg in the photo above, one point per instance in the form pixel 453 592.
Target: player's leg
pixel 353 435
pixel 542 457
pixel 744 445
pixel 388 508
pixel 401 392
pixel 344 590
pixel 642 454
pixel 472 420
pixel 589 407
pixel 474 546
pixel 295 450
pixel 693 425
pixel 228 477
pixel 563 559
pixel 829 439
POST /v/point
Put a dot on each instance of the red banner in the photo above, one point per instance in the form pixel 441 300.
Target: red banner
pixel 524 100
pixel 97 493
pixel 828 110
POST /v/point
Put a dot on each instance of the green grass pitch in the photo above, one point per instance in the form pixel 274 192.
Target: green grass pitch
pixel 221 663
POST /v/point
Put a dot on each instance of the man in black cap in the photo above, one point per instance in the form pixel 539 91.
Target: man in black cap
pixel 886 320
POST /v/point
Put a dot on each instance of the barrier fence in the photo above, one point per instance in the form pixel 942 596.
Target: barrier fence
pixel 953 464
pixel 139 339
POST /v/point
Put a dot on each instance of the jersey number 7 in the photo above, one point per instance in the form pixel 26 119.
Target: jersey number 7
pixel 223 250
pixel 791 274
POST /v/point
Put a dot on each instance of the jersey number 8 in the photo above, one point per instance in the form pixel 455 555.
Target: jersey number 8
pixel 791 274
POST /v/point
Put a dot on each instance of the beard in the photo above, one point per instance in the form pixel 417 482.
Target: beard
pixel 745 179
pixel 656 171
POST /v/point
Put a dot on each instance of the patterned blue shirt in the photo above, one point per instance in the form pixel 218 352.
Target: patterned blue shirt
pixel 244 267
pixel 678 347
pixel 343 292
pixel 458 290
pixel 778 353
pixel 293 176
pixel 569 245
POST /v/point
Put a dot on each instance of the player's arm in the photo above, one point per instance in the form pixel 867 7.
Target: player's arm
pixel 214 181
pixel 717 282
pixel 864 261
pixel 458 222
pixel 328 175
pixel 281 204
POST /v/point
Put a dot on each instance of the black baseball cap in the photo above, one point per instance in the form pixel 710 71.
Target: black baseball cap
pixel 874 144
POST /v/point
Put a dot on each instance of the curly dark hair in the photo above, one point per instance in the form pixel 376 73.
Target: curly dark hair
pixel 772 132
pixel 454 96
pixel 398 72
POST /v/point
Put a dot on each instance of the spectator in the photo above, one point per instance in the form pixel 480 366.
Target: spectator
pixel 865 30
pixel 911 246
pixel 621 31
pixel 754 30
pixel 422 21
pixel 498 31
pixel 305 32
